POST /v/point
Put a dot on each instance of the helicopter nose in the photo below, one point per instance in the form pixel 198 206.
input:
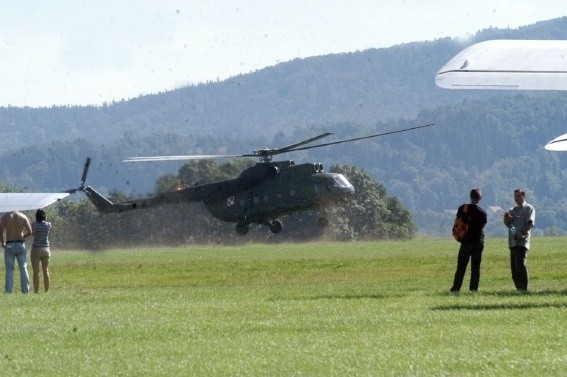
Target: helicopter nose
pixel 345 190
pixel 343 184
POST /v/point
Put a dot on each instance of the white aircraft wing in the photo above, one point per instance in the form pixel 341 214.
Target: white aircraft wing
pixel 28 201
pixel 558 144
pixel 508 65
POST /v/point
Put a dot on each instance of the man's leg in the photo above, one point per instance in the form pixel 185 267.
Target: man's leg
pixel 521 256
pixel 9 258
pixel 462 263
pixel 476 259
pixel 513 266
pixel 21 256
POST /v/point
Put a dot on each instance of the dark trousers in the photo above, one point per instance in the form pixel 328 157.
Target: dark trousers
pixel 518 257
pixel 472 251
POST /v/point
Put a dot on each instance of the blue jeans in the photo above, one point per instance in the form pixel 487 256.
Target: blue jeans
pixel 12 252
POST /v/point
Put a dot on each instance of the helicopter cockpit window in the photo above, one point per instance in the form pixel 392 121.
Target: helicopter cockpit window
pixel 341 181
pixel 319 186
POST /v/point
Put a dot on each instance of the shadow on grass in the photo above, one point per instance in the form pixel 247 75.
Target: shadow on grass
pixel 335 297
pixel 508 305
pixel 510 293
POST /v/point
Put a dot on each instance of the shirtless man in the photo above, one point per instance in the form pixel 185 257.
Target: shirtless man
pixel 17 227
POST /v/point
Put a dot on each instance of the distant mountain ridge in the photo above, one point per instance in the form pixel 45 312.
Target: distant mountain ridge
pixel 481 137
pixel 362 87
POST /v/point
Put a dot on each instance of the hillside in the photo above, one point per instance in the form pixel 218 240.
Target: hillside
pixel 490 139
pixel 361 87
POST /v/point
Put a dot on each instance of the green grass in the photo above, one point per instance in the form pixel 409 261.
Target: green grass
pixel 319 309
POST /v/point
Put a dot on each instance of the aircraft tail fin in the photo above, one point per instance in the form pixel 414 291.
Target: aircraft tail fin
pixel 101 203
pixel 104 205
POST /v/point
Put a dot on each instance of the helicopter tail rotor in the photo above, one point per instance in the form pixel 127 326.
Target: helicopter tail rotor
pixel 85 171
pixel 83 177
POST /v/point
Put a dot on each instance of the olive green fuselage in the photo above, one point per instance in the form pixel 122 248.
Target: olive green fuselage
pixel 260 193
pixel 293 188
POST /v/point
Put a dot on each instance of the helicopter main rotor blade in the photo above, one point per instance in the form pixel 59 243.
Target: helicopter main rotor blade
pixel 293 146
pixel 361 138
pixel 206 157
pixel 180 158
pixel 266 153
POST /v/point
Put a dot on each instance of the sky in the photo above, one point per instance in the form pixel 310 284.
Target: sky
pixel 80 52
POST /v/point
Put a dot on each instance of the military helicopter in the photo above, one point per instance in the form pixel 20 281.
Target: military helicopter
pixel 260 194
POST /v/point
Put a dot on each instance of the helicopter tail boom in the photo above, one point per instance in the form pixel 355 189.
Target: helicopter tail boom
pixel 104 205
pixel 101 203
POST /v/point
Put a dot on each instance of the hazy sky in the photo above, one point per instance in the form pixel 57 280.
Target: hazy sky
pixel 76 52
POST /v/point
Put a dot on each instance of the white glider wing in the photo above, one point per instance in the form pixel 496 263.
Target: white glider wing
pixel 508 65
pixel 28 201
pixel 558 144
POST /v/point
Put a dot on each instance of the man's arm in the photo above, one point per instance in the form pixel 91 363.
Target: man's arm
pixel 507 218
pixel 529 225
pixel 2 227
pixel 27 228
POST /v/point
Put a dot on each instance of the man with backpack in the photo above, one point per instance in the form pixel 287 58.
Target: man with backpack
pixel 472 242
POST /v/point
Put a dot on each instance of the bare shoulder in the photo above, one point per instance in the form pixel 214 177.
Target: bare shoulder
pixel 21 219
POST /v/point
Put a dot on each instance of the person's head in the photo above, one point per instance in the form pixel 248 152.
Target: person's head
pixel 519 196
pixel 40 215
pixel 475 195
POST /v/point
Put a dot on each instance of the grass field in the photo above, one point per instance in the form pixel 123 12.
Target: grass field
pixel 317 309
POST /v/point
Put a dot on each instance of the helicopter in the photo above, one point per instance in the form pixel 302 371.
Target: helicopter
pixel 261 194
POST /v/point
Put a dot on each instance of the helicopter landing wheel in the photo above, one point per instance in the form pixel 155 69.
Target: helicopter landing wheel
pixel 242 228
pixel 276 226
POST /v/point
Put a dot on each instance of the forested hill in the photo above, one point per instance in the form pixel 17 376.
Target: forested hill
pixel 486 138
pixel 361 87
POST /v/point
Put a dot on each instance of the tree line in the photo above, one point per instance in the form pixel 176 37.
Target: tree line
pixel 482 138
pixel 371 214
